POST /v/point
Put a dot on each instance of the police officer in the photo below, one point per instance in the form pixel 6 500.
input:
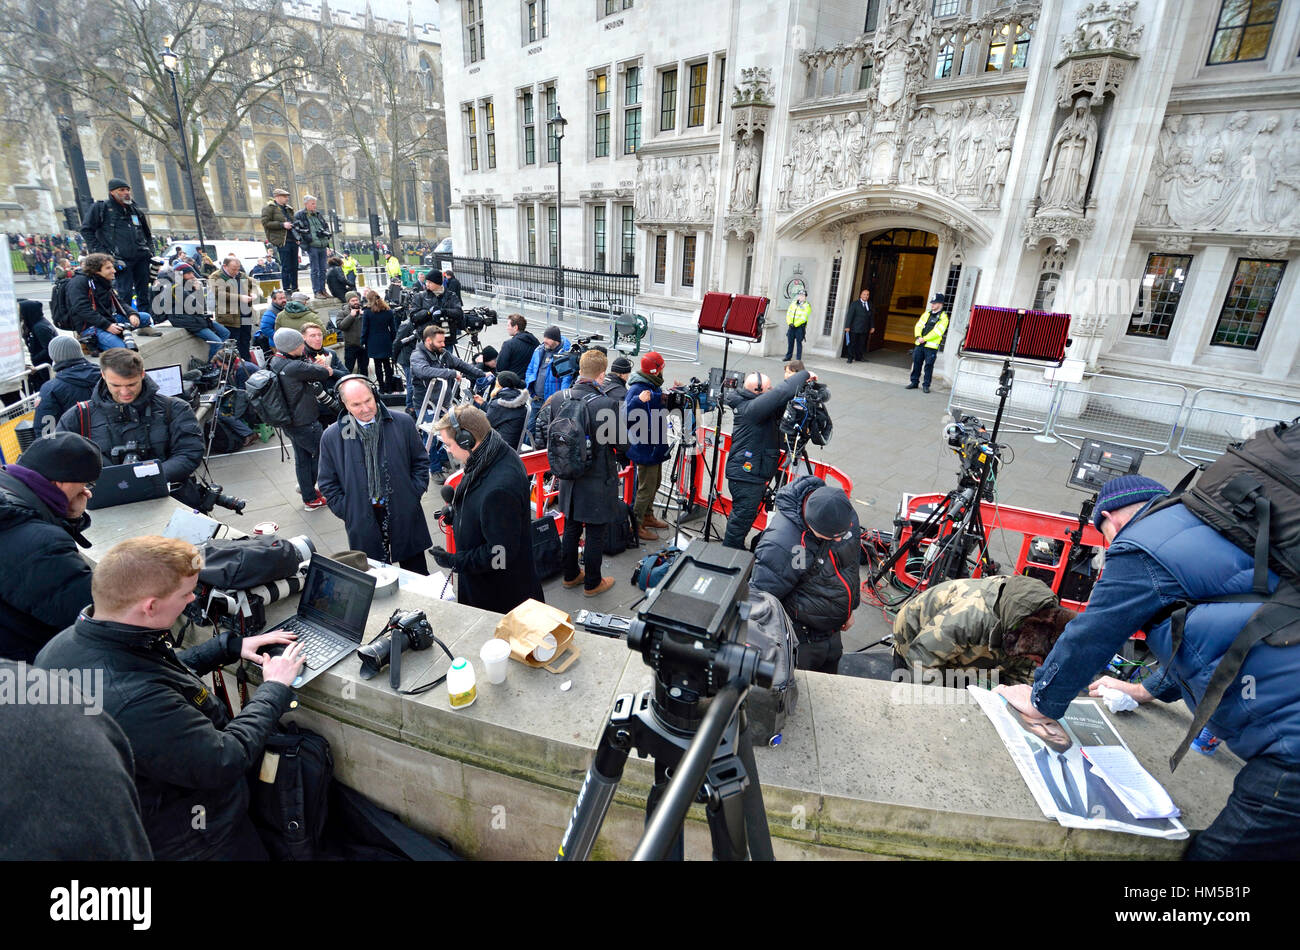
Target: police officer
pixel 755 447
pixel 796 320
pixel 929 332
pixel 117 227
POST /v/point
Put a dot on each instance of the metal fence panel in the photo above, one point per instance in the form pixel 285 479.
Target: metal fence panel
pixel 974 391
pixel 1217 417
pixel 1130 411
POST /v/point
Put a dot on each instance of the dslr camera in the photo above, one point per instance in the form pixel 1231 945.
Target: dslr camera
pixel 128 454
pixel 413 632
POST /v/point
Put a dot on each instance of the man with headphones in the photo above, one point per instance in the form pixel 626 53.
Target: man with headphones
pixel 373 472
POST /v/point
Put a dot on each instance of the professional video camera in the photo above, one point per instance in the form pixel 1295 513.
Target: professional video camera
pixel 971 443
pixel 476 319
pixel 806 417
pixel 567 365
pixel 412 631
pixel 679 397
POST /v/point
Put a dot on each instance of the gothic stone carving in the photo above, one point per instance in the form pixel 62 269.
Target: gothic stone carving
pixel 1061 228
pixel 1173 243
pixel 744 183
pixel 1274 250
pixel 1064 182
pixel 676 189
pixel 755 87
pixel 1103 26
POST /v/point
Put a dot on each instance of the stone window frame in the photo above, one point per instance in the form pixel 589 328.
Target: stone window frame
pixel 597 112
pixel 472 17
pixel 1219 28
pixel 469 120
pixel 527 105
pixel 1228 296
pixel 1163 304
pixel 532 32
pixel 627 109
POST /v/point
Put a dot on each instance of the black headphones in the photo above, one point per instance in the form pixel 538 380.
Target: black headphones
pixel 462 437
pixel 374 391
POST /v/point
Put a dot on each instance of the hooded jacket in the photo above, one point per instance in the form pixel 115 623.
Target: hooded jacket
pixel 294 315
pixel 74 380
pixel 540 365
pixel 516 353
pixel 506 412
pixel 176 443
pixel 180 304
pixel 46 580
pixel 815 580
pixel 37 331
pixel 191 757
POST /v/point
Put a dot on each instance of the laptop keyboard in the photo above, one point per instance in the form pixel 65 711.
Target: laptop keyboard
pixel 317 648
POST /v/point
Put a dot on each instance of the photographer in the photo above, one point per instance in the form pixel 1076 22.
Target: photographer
pixel 191 757
pixel 349 323
pixel 118 228
pixel 808 559
pixel 647 440
pixel 297 374
pixel 266 329
pixel 616 381
pixel 314 234
pixel 93 305
pixel 492 517
pixel 127 407
pixel 233 295
pixel 179 299
pixel 75 378
pixel 755 446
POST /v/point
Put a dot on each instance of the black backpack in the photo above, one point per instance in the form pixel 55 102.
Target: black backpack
pixel 568 444
pixel 548 554
pixel 265 391
pixel 768 628
pixel 289 799
pixel 1250 495
pixel 621 533
pixel 244 563
pixel 60 312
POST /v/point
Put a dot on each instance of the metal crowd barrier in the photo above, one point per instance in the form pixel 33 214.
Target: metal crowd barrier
pixel 1208 429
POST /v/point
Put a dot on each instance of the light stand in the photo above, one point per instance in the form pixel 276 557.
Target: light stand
pixel 170 62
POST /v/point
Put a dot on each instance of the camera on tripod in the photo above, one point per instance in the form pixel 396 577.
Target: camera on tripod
pixel 806 417
pixel 694 392
pixel 128 454
pixel 567 365
pixel 413 630
pixel 476 319
pixel 971 443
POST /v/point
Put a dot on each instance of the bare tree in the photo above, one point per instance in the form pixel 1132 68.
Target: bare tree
pixel 106 56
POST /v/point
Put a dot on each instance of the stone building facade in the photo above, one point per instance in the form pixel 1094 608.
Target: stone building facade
pixel 1135 164
pixel 306 154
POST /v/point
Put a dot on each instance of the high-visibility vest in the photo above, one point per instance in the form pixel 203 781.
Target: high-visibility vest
pixel 931 338
pixel 798 315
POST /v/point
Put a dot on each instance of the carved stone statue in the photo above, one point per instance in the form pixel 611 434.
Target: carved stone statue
pixel 1069 164
pixel 744 188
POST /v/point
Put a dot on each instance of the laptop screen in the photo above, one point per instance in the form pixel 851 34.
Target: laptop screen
pixel 337 597
pixel 168 379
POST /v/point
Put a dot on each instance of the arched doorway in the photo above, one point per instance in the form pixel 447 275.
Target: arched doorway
pixel 897 266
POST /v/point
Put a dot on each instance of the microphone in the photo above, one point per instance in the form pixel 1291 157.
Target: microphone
pixel 448 494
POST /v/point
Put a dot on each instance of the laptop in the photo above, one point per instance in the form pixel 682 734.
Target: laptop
pixel 123 484
pixel 331 616
pixel 168 379
pixel 186 525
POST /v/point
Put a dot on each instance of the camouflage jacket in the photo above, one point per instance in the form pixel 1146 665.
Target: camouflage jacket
pixel 959 624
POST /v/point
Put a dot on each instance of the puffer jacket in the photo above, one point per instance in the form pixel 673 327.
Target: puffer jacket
pixel 815 580
pixel 74 380
pixel 164 427
pixel 516 353
pixel 506 413
pixel 647 423
pixel 294 315
pixel 191 757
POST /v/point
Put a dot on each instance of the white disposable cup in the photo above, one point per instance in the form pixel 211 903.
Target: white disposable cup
pixel 265 527
pixel 495 655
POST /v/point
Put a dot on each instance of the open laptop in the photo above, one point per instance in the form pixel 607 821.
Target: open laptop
pixel 168 379
pixel 123 484
pixel 331 616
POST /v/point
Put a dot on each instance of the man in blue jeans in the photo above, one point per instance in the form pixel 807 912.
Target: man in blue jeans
pixel 314 234
pixel 1155 561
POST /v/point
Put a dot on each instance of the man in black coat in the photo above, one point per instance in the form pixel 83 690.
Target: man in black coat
pixel 517 352
pixel 118 227
pixel 298 373
pixel 38 333
pixel 492 521
pixel 808 559
pixel 75 379
pixel 755 446
pixel 191 757
pixel 42 516
pixel 592 501
pixel 437 304
pixel 433 359
pixel 857 324
pixel 373 472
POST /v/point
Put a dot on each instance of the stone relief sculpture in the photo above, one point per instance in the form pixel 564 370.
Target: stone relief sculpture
pixel 676 188
pixel 1064 182
pixel 744 186
pixel 1227 172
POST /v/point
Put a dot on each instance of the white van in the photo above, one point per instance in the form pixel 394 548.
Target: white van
pixel 250 253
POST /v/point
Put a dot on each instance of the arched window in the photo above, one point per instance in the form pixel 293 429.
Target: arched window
pixel 177 187
pixel 275 171
pixel 426 77
pixel 313 117
pixel 320 178
pixel 265 115
pixel 229 165
pixel 124 163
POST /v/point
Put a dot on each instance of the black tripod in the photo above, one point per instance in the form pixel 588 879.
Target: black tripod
pixel 683 455
pixel 712 468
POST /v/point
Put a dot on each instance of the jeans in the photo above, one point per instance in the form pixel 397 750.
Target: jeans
pixel 923 355
pixel 133 280
pixel 794 338
pixel 591 554
pixel 288 266
pixel 317 256
pixel 1261 820
pixel 746 496
pixel 354 358
pixel 214 337
pixel 109 341
pixel 306 457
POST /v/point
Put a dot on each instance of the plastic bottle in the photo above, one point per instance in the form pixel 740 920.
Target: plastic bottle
pixel 461 691
pixel 1206 743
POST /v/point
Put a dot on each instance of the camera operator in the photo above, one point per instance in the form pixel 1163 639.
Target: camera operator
pixel 42 519
pixel 297 373
pixel 127 407
pixel 647 440
pixel 191 757
pixel 541 382
pixel 349 323
pixel 491 519
pixel 755 446
pixel 435 304
pixel 808 559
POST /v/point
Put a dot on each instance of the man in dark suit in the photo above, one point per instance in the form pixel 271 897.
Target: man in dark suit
pixel 857 324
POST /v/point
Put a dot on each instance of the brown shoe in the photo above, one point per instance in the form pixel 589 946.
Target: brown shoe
pixel 645 534
pixel 651 521
pixel 582 575
pixel 605 584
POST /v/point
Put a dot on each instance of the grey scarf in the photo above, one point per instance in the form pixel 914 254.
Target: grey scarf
pixel 372 448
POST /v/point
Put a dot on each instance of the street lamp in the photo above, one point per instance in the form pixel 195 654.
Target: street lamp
pixel 557 124
pixel 416 181
pixel 170 62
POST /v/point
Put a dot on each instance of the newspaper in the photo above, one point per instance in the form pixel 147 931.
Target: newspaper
pixel 1061 779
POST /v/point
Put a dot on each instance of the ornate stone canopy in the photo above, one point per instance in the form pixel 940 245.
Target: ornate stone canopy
pixel 924 208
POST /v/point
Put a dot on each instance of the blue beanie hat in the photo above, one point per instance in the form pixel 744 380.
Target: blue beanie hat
pixel 1124 491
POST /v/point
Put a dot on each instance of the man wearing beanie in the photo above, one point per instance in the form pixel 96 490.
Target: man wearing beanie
pixel 1159 556
pixel 506 407
pixel 118 227
pixel 493 525
pixel 808 559
pixel 75 379
pixel 647 440
pixel 436 304
pixel 541 382
pixel 620 368
pixel 42 516
pixel 295 314
pixel 591 501
pixel 297 373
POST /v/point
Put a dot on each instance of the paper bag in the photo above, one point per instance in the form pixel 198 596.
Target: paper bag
pixel 525 627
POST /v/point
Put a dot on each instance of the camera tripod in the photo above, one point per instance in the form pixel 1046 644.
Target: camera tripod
pixel 796 451
pixel 684 454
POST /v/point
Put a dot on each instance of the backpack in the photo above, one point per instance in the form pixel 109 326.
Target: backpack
pixel 770 631
pixel 621 533
pixel 244 563
pixel 1251 496
pixel 289 799
pixel 568 445
pixel 265 391
pixel 60 312
pixel 650 570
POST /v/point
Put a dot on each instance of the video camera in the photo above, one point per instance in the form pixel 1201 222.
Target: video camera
pixel 970 441
pixel 567 365
pixel 476 319
pixel 694 392
pixel 806 416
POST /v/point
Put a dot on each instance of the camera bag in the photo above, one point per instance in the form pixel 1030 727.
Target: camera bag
pixel 621 533
pixel 289 800
pixel 244 563
pixel 770 631
pixel 548 554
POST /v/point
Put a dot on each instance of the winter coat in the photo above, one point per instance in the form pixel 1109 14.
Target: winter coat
pixel 273 218
pixel 443 309
pixel 593 498
pixel 298 375
pixel 177 444
pixel 507 412
pixel 349 324
pixel 427 366
pixel 404 344
pixel 342 480
pixel 294 315
pixel 119 230
pixel 614 387
pixel 540 365
pixel 267 326
pixel 516 353
pixel 337 283
pixel 819 590
pixel 37 334
pixel 492 528
pixel 92 303
pixel 377 331
pixel 227 307
pixel 191 757
pixel 451 283
pixel 647 422
pixel 74 380
pixel 755 433
pixel 181 305
pixel 311 229
pixel 47 581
